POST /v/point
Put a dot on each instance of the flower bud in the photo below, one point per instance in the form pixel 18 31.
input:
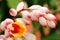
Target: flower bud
pixel 50 17
pixel 44 9
pixel 20 6
pixel 42 21
pixel 35 7
pixel 26 15
pixel 37 13
pixel 34 18
pixel 51 24
pixel 13 12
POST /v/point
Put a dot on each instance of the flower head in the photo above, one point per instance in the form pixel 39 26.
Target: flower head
pixel 17 29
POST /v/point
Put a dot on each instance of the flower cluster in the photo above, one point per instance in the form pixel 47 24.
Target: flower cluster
pixel 20 28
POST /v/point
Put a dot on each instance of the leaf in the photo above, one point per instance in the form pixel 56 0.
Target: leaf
pixel 36 24
pixel 13 3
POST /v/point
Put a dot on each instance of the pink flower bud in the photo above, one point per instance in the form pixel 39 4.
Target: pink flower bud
pixel 35 7
pixel 44 9
pixel 50 17
pixel 37 13
pixel 26 15
pixel 13 12
pixel 20 6
pixel 51 24
pixel 43 21
pixel 34 18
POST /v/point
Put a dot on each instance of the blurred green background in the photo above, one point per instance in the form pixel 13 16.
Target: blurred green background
pixel 53 5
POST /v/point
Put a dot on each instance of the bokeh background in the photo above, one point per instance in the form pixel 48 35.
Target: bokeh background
pixel 53 5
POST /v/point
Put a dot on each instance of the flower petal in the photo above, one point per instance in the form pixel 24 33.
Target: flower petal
pixel 7 22
pixel 19 38
pixel 2 26
pixel 20 20
pixel 9 38
pixel 30 36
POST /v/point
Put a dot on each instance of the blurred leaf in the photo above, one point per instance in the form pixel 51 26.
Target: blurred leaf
pixel 54 36
pixel 53 4
pixel 35 1
pixel 36 24
pixel 1 15
pixel 13 3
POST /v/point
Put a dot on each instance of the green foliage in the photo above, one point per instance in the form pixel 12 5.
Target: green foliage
pixel 13 3
pixel 36 24
pixel 53 36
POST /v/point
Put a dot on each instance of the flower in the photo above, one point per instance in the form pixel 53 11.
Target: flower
pixel 17 29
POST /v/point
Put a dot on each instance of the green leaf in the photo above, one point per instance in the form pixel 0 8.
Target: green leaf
pixel 36 24
pixel 35 1
pixel 1 14
pixel 13 3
